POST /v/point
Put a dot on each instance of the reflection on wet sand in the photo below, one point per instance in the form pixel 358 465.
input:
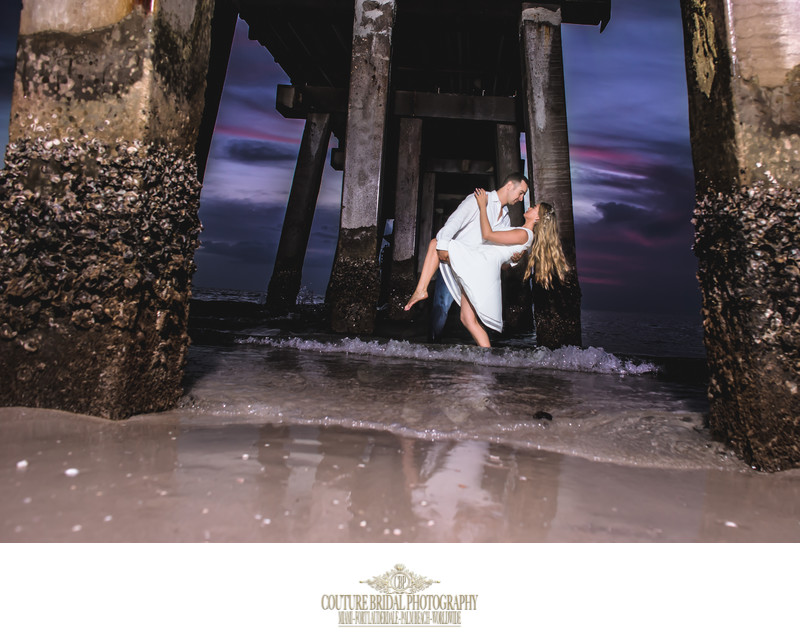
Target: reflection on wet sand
pixel 170 477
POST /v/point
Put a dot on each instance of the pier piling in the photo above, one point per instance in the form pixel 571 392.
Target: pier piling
pixel 354 286
pixel 406 216
pixel 558 310
pixel 98 204
pixel 284 285
pixel 745 131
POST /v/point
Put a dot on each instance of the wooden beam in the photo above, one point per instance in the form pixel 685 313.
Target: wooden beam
pixel 297 102
pixel 292 101
pixel 465 166
pixel 456 106
pixel 590 12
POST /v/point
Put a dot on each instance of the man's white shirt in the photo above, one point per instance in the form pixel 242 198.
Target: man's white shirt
pixel 464 223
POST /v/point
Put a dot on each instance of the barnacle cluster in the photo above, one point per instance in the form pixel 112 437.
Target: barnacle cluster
pixel 96 237
pixel 748 248
pixel 354 285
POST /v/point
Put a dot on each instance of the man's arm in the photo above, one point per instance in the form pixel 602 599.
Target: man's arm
pixel 510 236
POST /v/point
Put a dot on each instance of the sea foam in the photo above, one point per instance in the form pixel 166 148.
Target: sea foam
pixel 569 358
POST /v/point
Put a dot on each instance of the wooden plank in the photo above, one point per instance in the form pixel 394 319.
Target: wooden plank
pixel 297 102
pixel 463 166
pixel 456 106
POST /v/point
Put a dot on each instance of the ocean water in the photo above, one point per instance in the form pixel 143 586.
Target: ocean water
pixel 288 433
pixel 657 335
pixel 634 394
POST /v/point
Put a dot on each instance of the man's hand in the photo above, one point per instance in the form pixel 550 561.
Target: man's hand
pixel 515 260
pixel 444 256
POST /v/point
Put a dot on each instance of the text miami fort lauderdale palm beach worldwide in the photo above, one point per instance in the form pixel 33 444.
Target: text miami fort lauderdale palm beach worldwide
pixel 399 609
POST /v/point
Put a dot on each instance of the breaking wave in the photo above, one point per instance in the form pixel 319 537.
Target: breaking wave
pixel 575 359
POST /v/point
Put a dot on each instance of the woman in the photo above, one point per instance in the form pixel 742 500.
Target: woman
pixel 477 272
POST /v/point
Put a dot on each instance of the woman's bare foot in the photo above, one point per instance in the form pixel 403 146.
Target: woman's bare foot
pixel 415 298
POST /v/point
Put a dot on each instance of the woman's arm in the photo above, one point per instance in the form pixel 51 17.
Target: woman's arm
pixel 504 237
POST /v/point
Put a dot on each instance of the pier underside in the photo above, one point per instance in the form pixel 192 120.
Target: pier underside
pixel 427 101
pixel 114 105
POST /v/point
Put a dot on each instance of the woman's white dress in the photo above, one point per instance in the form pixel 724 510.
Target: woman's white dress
pixel 476 270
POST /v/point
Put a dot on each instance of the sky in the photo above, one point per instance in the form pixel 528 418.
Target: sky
pixel 630 154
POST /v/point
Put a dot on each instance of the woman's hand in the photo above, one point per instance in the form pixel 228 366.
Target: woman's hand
pixel 481 196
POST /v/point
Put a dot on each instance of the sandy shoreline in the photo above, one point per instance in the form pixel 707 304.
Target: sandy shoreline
pixel 182 477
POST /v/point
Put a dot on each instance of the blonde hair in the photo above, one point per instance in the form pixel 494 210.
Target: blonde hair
pixel 546 254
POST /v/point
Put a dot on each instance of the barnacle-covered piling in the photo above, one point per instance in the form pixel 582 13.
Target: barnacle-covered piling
pixel 354 285
pixel 748 248
pixel 98 204
pixel 96 247
pixel 745 125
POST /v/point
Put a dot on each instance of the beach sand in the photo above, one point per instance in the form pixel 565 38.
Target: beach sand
pixel 182 477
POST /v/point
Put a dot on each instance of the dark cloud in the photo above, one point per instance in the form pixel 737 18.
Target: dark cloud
pixel 632 259
pixel 232 220
pixel 9 26
pixel 258 99
pixel 256 151
pixel 239 243
pixel 244 251
pixel 637 255
pixel 650 225
pixel 616 214
pixel 627 85
pixel 635 258
pixel 9 23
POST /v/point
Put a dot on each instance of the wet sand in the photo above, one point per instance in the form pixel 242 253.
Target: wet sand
pixel 183 477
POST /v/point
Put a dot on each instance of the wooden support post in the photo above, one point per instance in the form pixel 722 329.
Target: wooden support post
pixel 508 161
pixel 517 295
pixel 427 203
pixel 743 74
pixel 354 286
pixel 284 285
pixel 403 270
pixel 557 310
pixel 99 204
pixel 223 26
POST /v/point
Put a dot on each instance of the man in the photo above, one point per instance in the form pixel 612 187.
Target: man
pixel 464 224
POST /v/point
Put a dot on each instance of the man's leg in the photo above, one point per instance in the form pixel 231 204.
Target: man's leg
pixel 442 300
